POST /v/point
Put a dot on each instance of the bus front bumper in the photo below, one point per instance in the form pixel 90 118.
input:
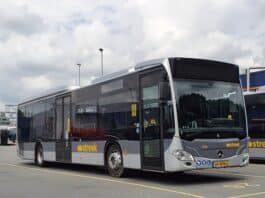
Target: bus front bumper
pixel 206 163
pixel 235 161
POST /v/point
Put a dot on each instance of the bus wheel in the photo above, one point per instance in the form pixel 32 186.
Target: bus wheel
pixel 114 161
pixel 39 156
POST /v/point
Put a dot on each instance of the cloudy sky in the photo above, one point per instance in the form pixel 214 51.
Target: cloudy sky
pixel 41 41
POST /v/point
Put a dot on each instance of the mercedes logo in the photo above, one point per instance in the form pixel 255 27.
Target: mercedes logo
pixel 220 154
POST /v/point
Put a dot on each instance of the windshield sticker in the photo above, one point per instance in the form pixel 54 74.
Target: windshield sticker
pixel 133 110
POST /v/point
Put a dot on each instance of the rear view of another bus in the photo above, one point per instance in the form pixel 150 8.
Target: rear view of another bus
pixel 255 104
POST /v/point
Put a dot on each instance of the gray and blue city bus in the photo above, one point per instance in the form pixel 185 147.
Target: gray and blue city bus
pixel 255 105
pixel 165 115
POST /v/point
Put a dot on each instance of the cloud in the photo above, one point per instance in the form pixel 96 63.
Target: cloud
pixel 19 21
pixel 41 44
pixel 36 83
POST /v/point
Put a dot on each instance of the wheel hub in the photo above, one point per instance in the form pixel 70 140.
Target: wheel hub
pixel 114 160
pixel 39 158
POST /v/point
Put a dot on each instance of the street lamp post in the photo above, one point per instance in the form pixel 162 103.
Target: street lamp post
pixel 79 65
pixel 101 52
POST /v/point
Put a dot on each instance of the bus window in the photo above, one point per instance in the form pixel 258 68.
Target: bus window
pixel 118 106
pixel 168 120
pixel 59 120
pixel 256 120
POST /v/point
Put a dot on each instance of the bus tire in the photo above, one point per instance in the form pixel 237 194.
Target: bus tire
pixel 114 161
pixel 39 158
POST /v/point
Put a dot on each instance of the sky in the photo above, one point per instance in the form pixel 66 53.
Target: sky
pixel 42 41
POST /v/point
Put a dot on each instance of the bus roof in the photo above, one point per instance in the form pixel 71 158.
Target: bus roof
pixel 138 67
pixel 50 93
pixel 64 90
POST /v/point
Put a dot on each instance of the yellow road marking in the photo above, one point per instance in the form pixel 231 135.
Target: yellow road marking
pixel 108 180
pixel 238 174
pixel 240 185
pixel 248 195
pixel 235 174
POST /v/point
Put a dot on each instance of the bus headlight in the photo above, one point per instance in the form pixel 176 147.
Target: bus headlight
pixel 183 155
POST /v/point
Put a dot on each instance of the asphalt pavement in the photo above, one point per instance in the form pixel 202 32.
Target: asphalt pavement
pixel 22 179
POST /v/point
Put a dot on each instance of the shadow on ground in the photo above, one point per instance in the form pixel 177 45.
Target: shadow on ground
pixel 257 161
pixel 181 179
pixel 9 144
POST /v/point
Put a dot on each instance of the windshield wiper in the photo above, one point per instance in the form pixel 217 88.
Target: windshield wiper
pixel 189 135
pixel 220 132
pixel 212 129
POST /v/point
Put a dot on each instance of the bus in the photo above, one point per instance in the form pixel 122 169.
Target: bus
pixel 4 129
pixel 255 105
pixel 164 115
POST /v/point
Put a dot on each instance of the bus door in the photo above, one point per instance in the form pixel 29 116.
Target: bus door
pixel 63 120
pixel 150 121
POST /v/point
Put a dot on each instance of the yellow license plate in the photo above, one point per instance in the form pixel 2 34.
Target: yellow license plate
pixel 221 164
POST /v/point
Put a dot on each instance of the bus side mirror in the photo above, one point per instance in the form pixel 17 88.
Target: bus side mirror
pixel 164 91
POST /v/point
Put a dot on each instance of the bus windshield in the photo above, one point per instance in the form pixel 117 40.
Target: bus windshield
pixel 210 109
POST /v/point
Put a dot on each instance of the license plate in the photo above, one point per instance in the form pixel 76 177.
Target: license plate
pixel 221 164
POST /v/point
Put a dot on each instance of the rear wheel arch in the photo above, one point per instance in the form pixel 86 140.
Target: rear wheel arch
pixel 113 159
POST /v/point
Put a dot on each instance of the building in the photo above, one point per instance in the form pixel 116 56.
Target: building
pixel 9 112
pixel 256 81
